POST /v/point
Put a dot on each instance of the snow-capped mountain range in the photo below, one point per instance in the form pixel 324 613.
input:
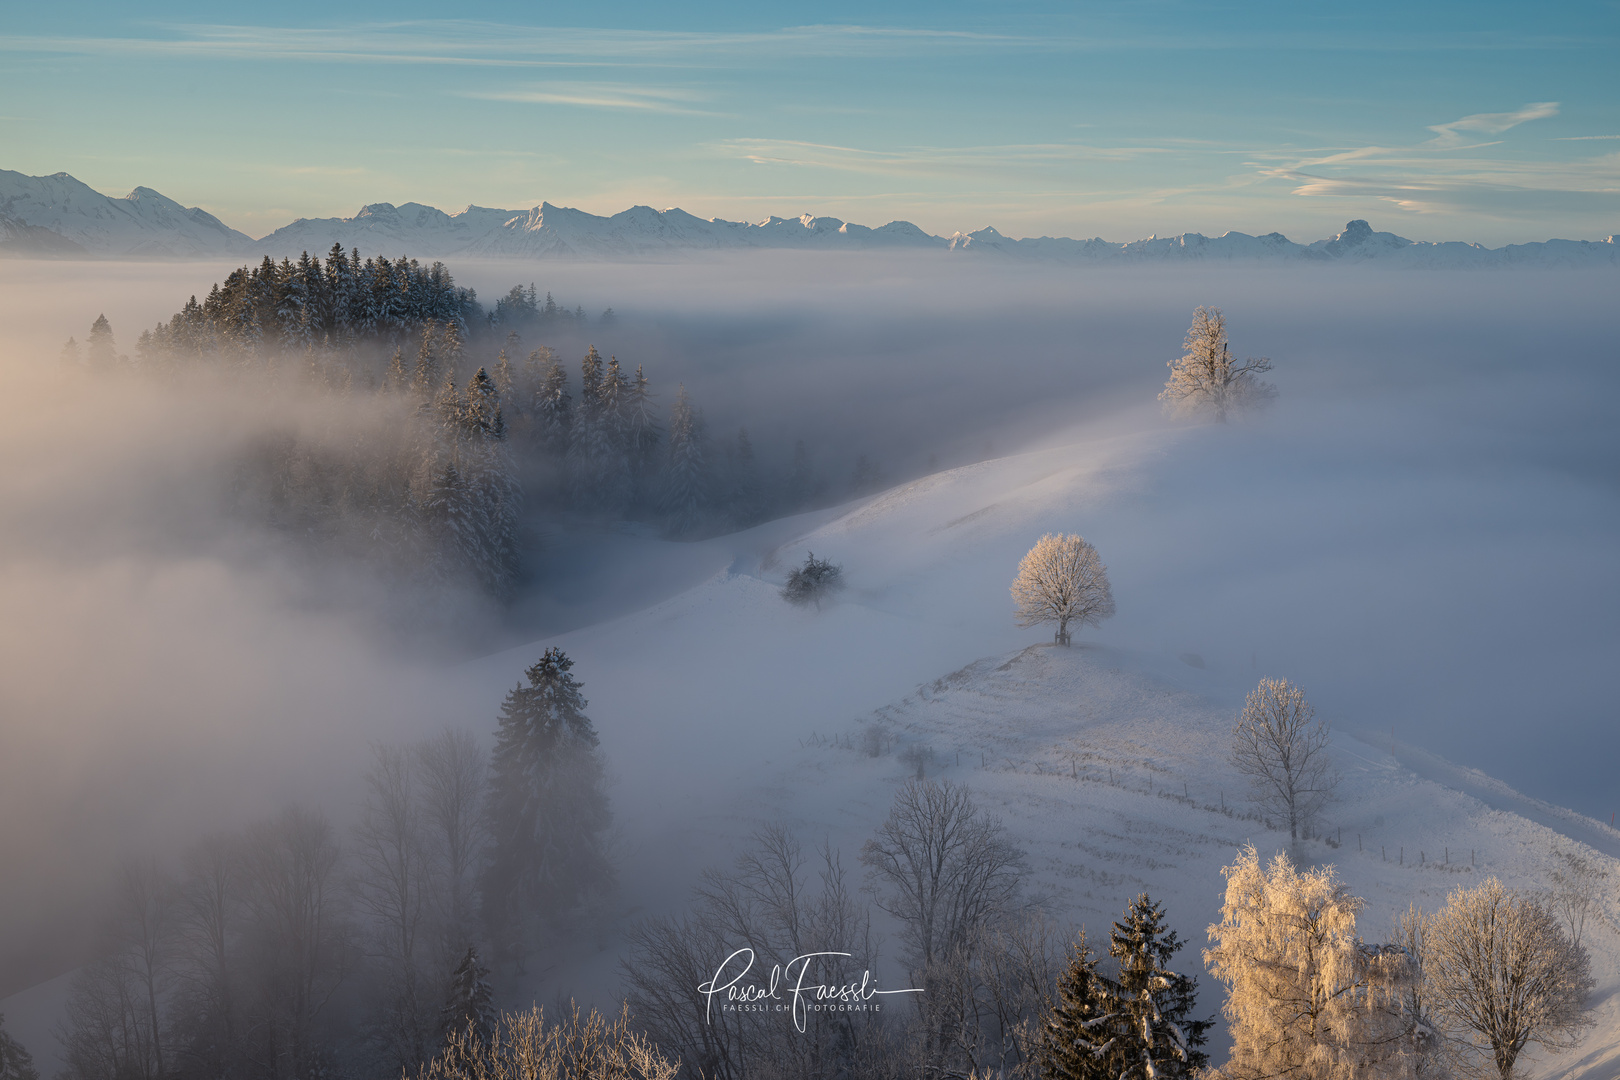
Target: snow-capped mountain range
pixel 58 215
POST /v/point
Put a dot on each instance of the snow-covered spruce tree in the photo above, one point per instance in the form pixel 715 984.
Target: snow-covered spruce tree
pixel 597 469
pixel 1206 381
pixel 1147 1031
pixel 469 1006
pixel 548 808
pixel 1306 998
pixel 813 582
pixel 1283 751
pixel 687 489
pixel 642 437
pixel 1062 580
pixel 15 1062
pixel 1074 1041
pixel 552 407
pixel 1501 973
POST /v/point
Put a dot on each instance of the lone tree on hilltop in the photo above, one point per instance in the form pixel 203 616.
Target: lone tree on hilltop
pixel 1502 973
pixel 1206 380
pixel 1061 580
pixel 1282 749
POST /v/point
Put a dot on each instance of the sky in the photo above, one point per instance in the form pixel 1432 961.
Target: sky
pixel 1486 122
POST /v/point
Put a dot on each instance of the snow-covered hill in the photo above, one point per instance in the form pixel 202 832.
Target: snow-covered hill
pixel 52 214
pixel 142 224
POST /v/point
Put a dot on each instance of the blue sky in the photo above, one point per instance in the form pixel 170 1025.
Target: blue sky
pixel 1477 121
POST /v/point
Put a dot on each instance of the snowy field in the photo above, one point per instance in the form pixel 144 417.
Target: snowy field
pixel 1421 534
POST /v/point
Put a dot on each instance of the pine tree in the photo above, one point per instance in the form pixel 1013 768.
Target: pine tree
pixel 547 806
pixel 686 491
pixel 427 359
pixel 642 436
pixel 553 405
pixel 469 1003
pixel 745 503
pixel 16 1063
pixel 1071 1045
pixel 70 355
pixel 1157 1038
pixel 100 352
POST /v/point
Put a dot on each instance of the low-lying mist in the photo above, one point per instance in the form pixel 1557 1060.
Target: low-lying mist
pixel 1421 530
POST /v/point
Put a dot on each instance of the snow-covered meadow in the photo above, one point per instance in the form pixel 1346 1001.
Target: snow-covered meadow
pixel 1420 533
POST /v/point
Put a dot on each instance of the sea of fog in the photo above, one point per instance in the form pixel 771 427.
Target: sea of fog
pixel 1421 531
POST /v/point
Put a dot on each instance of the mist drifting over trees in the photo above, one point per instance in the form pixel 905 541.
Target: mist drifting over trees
pixel 186 539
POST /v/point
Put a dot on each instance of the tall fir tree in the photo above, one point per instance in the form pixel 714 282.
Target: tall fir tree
pixel 1138 1026
pixel 469 1004
pixel 686 487
pixel 1069 1042
pixel 548 809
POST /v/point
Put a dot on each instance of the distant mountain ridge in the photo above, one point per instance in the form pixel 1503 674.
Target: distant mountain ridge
pixel 59 216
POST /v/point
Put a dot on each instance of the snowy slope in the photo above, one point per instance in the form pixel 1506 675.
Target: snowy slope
pixel 722 707
pixel 143 223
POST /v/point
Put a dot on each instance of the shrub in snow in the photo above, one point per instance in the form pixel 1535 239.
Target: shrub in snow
pixel 816 579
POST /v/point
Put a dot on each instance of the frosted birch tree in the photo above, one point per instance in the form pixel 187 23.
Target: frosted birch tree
pixel 1307 999
pixel 1062 580
pixel 1502 973
pixel 1283 751
pixel 1206 380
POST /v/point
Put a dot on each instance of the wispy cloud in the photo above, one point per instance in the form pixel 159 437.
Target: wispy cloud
pixel 601 95
pixel 1583 138
pixel 923 159
pixel 1451 135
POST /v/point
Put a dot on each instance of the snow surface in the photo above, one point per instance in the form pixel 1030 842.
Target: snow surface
pixel 142 224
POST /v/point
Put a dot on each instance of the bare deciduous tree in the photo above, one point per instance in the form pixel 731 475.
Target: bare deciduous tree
pixel 1307 998
pixel 1502 974
pixel 943 868
pixel 1283 751
pixel 1062 580
pixel 391 886
pixel 1576 883
pixel 451 769
pixel 770 902
pixel 1206 380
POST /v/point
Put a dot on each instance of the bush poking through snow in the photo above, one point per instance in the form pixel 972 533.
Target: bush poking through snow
pixel 1062 580
pixel 524 1046
pixel 812 582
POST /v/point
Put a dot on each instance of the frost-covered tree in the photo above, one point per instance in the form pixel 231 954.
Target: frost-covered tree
pixel 1062 580
pixel 552 407
pixel 1308 999
pixel 1502 974
pixel 1206 380
pixel 548 810
pixel 16 1063
pixel 1283 751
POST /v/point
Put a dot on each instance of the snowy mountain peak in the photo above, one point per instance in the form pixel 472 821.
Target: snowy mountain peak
pixel 59 214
